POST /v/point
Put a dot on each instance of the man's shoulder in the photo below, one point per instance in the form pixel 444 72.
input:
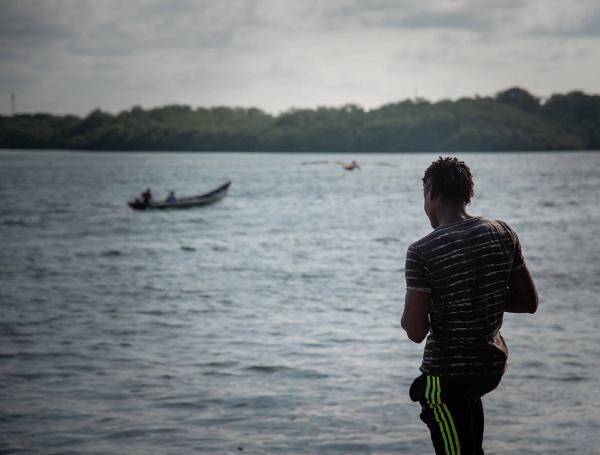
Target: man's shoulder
pixel 504 224
pixel 444 233
pixel 423 241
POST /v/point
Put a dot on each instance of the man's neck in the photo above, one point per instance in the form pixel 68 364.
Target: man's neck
pixel 452 214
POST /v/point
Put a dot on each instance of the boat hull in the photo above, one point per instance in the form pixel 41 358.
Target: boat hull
pixel 183 203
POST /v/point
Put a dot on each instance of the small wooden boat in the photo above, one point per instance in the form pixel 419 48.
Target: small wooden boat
pixel 185 202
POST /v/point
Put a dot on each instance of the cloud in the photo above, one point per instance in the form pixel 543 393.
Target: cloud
pixel 572 20
pixel 74 55
pixel 411 14
pixel 27 20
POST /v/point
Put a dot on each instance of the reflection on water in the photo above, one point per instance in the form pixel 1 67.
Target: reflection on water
pixel 270 322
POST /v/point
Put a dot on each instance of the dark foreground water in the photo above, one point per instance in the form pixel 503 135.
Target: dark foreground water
pixel 269 323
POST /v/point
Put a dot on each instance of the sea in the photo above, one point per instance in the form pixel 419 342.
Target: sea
pixel 269 323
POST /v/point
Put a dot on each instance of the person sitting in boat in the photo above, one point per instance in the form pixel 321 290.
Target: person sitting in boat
pixel 353 165
pixel 147 196
pixel 171 197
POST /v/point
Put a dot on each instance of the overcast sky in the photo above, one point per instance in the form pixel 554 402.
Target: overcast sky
pixel 71 56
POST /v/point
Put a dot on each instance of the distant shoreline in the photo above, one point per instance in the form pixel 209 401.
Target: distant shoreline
pixel 512 121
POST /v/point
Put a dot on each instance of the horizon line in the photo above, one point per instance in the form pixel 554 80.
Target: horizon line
pixel 414 99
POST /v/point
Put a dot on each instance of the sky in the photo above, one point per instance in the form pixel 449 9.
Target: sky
pixel 72 56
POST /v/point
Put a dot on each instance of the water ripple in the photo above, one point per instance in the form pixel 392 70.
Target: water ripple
pixel 270 322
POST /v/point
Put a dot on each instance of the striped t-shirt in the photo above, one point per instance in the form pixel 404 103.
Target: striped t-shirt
pixel 465 266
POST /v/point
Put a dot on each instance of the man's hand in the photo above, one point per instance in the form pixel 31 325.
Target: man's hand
pixel 415 319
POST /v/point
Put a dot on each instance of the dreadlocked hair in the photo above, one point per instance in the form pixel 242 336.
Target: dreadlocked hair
pixel 450 179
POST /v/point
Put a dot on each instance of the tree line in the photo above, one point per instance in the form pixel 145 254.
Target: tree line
pixel 511 120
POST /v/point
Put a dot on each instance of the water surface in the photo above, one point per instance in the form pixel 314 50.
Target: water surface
pixel 270 321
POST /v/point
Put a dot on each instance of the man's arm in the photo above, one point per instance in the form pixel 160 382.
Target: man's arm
pixel 415 318
pixel 522 295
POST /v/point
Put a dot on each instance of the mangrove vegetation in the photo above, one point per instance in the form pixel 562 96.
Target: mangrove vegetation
pixel 512 120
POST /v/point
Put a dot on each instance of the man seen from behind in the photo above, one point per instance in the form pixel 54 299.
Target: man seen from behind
pixel 460 279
